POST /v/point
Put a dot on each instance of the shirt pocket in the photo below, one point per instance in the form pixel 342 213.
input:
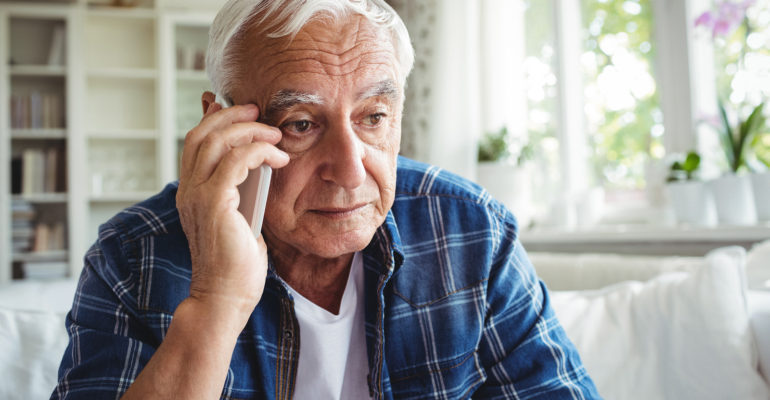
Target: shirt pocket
pixel 431 345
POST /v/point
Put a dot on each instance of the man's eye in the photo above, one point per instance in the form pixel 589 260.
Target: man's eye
pixel 373 119
pixel 297 127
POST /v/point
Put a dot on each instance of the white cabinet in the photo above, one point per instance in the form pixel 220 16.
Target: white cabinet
pixel 95 101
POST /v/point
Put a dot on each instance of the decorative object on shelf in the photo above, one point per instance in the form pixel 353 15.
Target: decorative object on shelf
pixel 57 50
pixel 108 159
pixel 691 200
pixel 733 192
pixel 507 178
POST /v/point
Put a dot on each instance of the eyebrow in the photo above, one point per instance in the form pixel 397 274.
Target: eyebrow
pixel 286 99
pixel 386 88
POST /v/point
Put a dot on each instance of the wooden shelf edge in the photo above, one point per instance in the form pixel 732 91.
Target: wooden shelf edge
pixel 45 133
pixel 41 197
pixel 38 70
pixel 41 256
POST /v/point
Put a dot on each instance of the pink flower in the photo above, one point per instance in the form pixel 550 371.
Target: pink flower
pixel 705 19
pixel 726 19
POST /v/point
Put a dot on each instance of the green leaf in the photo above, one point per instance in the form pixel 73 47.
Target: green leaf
pixel 726 136
pixel 691 164
pixel 748 128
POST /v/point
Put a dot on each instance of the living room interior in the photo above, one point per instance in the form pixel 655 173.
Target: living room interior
pixel 629 137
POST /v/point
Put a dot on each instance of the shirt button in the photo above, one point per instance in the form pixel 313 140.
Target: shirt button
pixel 287 334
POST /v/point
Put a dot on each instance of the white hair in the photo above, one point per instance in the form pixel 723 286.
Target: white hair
pixel 281 18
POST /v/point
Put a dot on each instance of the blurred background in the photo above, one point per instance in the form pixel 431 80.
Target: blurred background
pixel 603 124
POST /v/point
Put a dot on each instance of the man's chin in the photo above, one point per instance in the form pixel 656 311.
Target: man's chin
pixel 339 245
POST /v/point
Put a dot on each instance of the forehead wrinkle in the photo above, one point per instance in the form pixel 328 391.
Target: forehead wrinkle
pixel 314 64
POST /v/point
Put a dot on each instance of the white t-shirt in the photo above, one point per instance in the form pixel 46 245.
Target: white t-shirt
pixel 332 356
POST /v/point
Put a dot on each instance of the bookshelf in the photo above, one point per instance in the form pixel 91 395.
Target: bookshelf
pixel 95 101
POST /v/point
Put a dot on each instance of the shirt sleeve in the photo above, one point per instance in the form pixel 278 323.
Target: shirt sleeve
pixel 108 345
pixel 525 352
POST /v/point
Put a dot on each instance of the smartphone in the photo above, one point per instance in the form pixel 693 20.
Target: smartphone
pixel 253 190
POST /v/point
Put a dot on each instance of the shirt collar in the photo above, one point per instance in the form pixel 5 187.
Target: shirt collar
pixel 385 247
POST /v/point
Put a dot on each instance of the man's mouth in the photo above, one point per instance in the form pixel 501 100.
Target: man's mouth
pixel 340 212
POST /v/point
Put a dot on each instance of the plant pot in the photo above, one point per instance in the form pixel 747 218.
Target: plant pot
pixel 692 202
pixel 734 200
pixel 760 185
pixel 509 184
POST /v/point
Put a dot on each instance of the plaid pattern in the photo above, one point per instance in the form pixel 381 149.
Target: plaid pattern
pixel 453 306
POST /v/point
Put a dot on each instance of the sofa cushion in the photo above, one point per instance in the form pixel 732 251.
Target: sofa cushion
pixel 679 335
pixel 31 347
pixel 32 336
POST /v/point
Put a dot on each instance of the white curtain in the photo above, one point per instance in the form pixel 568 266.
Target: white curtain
pixel 467 78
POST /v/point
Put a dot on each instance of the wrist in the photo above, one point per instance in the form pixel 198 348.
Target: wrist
pixel 211 319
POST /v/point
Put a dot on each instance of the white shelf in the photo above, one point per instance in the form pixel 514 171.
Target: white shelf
pixel 41 198
pixel 117 12
pixel 38 133
pixel 123 73
pixel 41 256
pixel 120 87
pixel 638 233
pixel 138 134
pixel 121 197
pixel 38 70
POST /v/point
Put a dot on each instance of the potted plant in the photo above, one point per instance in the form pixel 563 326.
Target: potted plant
pixel 505 175
pixel 733 191
pixel 760 164
pixel 690 199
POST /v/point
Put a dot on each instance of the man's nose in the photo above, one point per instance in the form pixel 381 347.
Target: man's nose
pixel 344 155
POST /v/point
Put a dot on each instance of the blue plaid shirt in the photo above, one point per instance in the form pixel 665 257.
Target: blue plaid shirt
pixel 453 306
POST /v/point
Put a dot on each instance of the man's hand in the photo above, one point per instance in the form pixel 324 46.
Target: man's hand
pixel 228 263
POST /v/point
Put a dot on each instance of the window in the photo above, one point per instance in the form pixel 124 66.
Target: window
pixel 643 89
pixel 623 117
pixel 603 54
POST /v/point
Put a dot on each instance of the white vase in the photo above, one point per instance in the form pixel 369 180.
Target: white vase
pixel 760 185
pixel 693 203
pixel 509 184
pixel 734 200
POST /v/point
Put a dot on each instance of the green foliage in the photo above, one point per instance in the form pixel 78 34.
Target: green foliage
pixel 494 146
pixel 685 170
pixel 621 142
pixel 736 143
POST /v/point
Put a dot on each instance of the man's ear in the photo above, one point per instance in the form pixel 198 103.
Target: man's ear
pixel 207 99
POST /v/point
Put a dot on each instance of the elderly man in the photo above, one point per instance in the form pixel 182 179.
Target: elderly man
pixel 374 276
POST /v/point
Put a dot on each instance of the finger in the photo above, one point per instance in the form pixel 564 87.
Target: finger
pixel 217 144
pixel 222 118
pixel 236 164
pixel 212 120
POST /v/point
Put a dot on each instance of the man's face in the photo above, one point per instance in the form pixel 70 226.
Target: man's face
pixel 334 92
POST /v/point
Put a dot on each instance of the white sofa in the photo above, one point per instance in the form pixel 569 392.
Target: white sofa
pixel 685 328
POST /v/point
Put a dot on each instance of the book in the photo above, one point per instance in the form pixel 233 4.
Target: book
pixel 56 237
pixel 45 270
pixel 15 174
pixel 42 232
pixel 51 166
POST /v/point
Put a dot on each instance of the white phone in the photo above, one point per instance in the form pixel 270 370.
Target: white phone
pixel 253 190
